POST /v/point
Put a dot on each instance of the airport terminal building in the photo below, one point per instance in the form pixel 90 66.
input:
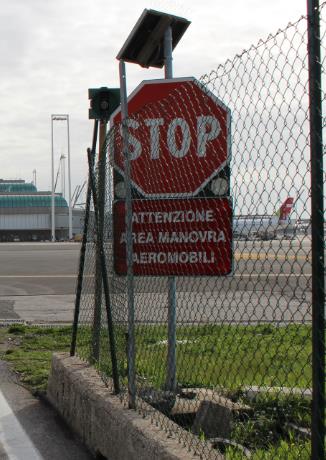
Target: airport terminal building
pixel 25 213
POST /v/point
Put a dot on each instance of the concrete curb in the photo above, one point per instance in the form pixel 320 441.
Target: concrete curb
pixel 104 425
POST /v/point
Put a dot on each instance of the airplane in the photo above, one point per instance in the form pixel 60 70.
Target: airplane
pixel 264 226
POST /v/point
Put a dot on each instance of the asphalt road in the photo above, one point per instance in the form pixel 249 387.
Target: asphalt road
pixel 271 281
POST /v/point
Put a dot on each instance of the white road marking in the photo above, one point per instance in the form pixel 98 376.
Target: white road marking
pixel 13 438
pixel 235 275
pixel 39 276
pixel 270 275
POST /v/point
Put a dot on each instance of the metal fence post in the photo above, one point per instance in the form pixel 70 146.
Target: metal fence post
pixel 83 246
pixel 98 269
pixel 104 277
pixel 130 277
pixel 317 234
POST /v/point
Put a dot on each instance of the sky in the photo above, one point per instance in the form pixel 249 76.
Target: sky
pixel 53 51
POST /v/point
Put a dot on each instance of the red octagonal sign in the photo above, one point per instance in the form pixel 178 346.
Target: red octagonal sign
pixel 178 137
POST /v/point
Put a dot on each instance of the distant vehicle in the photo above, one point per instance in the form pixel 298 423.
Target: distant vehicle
pixel 264 226
pixel 303 226
pixel 78 237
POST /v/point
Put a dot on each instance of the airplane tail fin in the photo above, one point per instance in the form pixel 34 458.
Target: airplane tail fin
pixel 285 210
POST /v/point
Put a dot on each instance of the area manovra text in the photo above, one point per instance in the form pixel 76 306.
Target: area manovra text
pixel 200 236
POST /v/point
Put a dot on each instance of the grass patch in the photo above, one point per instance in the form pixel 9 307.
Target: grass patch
pixel 30 350
pixel 272 420
pixel 285 450
pixel 210 356
pixel 229 355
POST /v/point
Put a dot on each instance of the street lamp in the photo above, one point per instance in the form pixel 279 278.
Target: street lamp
pixel 61 117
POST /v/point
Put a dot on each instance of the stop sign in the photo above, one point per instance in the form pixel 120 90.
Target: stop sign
pixel 178 137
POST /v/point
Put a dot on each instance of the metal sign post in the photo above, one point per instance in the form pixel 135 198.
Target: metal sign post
pixel 128 205
pixel 144 47
pixel 171 371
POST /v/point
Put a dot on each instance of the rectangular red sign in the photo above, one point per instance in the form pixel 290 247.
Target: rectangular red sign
pixel 185 237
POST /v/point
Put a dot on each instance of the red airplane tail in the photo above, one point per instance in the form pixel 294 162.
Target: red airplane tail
pixel 285 210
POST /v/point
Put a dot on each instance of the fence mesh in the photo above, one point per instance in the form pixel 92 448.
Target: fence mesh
pixel 229 371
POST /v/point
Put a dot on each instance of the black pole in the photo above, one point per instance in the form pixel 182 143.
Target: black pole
pixel 83 248
pixel 317 232
pixel 115 374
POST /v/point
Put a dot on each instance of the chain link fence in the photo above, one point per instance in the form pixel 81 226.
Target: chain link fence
pixel 222 331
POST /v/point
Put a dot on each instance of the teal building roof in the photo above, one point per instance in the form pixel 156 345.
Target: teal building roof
pixel 12 187
pixel 29 201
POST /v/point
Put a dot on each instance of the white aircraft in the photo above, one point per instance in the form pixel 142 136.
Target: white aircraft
pixel 263 226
